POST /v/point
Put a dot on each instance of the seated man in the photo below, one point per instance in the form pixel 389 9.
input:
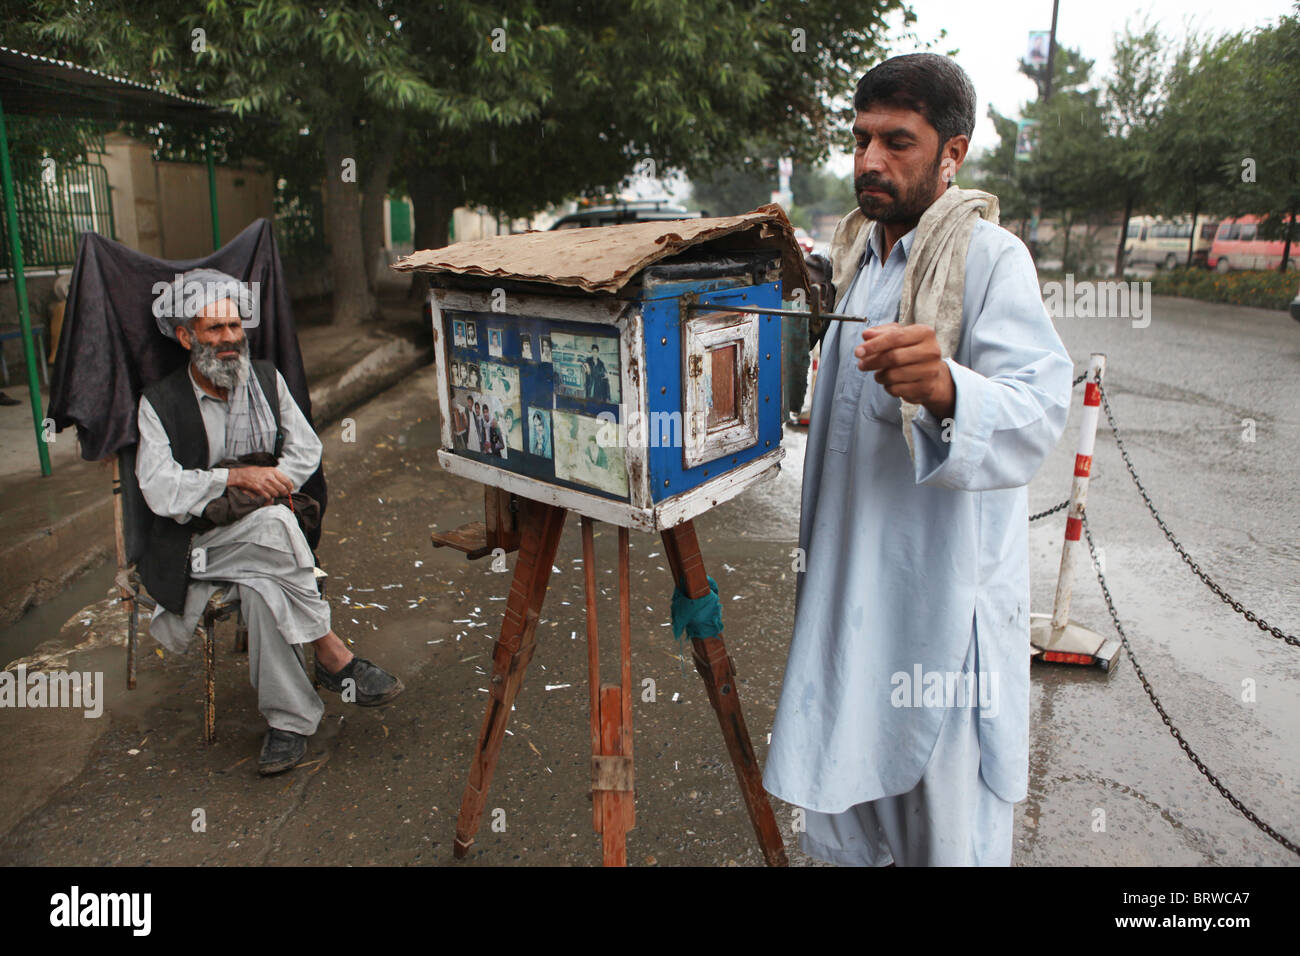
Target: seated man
pixel 213 409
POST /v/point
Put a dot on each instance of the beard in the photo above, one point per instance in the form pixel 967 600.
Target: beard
pixel 223 373
pixel 904 208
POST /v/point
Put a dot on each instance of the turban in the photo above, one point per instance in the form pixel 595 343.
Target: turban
pixel 191 292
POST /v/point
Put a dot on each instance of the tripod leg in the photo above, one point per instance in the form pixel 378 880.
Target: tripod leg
pixel 612 779
pixel 541 525
pixel 593 660
pixel 682 548
pixel 612 795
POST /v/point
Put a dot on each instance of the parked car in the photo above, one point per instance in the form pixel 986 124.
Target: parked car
pixel 1295 306
pixel 632 210
pixel 1238 246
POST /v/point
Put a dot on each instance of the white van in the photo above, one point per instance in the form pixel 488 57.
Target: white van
pixel 1163 242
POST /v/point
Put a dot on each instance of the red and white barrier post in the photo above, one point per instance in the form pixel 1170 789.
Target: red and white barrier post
pixel 1060 640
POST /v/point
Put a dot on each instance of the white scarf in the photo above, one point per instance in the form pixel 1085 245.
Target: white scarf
pixel 250 424
pixel 934 283
pixel 935 278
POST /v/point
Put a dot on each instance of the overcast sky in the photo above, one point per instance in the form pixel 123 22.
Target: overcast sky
pixel 991 36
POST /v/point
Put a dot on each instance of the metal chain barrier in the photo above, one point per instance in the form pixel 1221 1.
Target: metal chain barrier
pixel 1051 511
pixel 1164 715
pixel 1227 598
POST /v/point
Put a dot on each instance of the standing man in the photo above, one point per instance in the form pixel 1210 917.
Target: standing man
pixel 475 430
pixel 460 424
pixel 902 728
pixel 597 383
pixel 219 407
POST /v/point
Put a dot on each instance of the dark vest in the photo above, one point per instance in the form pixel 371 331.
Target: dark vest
pixel 165 565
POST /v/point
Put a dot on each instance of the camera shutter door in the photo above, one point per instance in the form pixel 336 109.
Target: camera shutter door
pixel 720 376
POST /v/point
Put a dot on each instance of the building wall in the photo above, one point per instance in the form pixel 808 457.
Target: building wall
pixel 162 209
pixel 243 195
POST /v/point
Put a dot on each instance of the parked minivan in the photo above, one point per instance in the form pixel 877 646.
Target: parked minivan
pixel 1163 242
pixel 1238 246
pixel 625 211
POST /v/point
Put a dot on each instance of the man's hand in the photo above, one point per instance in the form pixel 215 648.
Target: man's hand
pixel 270 483
pixel 906 361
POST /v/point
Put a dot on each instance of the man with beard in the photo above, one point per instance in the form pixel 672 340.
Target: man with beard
pixel 496 440
pixel 219 407
pixel 902 727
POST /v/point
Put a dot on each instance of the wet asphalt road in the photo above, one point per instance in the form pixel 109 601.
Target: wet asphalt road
pixel 383 786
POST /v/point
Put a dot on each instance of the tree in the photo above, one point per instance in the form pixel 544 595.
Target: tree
pixel 1259 85
pixel 682 85
pixel 512 108
pixel 327 69
pixel 1194 133
pixel 996 170
pixel 1060 177
pixel 740 187
pixel 1132 99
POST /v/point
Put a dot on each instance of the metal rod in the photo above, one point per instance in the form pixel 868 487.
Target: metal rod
pixel 20 289
pixel 784 313
pixel 212 193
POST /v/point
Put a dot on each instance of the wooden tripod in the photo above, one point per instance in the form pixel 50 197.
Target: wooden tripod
pixel 540 526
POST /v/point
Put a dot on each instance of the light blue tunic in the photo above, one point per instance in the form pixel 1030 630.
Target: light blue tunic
pixel 906 562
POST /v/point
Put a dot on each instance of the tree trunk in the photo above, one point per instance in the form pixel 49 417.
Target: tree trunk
pixel 1286 242
pixel 1065 249
pixel 1123 238
pixel 1191 240
pixel 374 192
pixel 353 302
pixel 433 203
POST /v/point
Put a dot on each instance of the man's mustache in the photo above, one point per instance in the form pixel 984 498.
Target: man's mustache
pixel 871 181
pixel 241 347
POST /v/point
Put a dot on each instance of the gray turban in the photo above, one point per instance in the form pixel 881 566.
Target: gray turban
pixel 191 292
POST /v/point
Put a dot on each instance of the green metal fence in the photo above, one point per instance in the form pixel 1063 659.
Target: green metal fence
pixel 55 201
pixel 300 224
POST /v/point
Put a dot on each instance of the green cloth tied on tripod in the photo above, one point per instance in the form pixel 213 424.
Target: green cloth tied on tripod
pixel 698 617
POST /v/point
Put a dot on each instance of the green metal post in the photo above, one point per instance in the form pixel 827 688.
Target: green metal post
pixel 20 287
pixel 212 195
